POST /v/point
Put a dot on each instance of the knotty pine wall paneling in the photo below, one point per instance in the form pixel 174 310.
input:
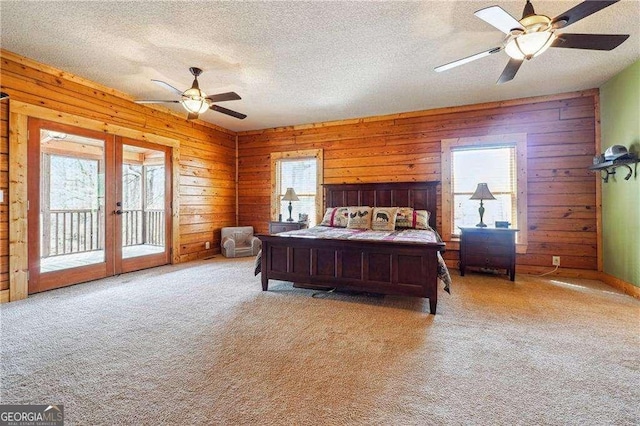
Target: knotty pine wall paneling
pixel 4 186
pixel 207 152
pixel 406 147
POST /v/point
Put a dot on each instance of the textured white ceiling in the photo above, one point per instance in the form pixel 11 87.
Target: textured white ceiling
pixel 304 62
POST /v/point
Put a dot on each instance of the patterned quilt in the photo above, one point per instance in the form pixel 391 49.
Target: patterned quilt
pixel 415 236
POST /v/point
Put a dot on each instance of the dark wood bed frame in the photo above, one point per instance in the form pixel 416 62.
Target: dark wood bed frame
pixel 392 268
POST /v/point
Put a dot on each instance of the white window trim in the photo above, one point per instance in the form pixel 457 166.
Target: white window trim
pixel 297 155
pixel 520 142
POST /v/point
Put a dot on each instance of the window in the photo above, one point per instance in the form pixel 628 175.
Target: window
pixel 302 171
pixel 500 161
pixel 496 167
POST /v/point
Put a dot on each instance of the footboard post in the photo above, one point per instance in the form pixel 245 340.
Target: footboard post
pixel 263 267
pixel 433 302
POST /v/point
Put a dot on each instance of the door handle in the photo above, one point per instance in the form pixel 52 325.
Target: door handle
pixel 118 212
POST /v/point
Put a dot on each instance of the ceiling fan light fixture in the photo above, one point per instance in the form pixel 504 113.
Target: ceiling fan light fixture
pixel 528 45
pixel 195 101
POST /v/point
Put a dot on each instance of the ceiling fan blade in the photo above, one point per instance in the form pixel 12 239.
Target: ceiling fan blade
pixel 510 70
pixel 167 86
pixel 590 41
pixel 192 116
pixel 220 97
pixel 156 102
pixel 228 112
pixel 499 18
pixel 467 59
pixel 580 11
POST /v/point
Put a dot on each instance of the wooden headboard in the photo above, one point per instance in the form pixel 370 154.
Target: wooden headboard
pixel 419 195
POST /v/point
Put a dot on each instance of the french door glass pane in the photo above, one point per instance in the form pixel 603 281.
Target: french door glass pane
pixel 71 201
pixel 143 201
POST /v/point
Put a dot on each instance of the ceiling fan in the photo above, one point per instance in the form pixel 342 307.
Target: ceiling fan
pixel 195 101
pixel 534 34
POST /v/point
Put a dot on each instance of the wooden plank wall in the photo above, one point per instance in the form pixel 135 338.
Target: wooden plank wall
pixel 207 152
pixel 4 186
pixel 406 147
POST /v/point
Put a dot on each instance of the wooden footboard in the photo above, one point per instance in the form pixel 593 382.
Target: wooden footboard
pixel 370 266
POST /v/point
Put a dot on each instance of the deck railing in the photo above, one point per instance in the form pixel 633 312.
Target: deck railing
pixel 142 227
pixel 78 231
pixel 72 231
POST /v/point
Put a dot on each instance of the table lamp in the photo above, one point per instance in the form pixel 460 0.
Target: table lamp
pixel 290 196
pixel 482 193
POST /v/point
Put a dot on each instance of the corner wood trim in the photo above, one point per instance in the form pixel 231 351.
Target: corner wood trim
pixel 621 285
pixel 18 242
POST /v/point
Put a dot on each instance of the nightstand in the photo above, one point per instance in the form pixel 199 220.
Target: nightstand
pixel 491 248
pixel 277 227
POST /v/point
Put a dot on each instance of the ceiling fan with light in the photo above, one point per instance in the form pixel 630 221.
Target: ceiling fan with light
pixel 534 34
pixel 195 101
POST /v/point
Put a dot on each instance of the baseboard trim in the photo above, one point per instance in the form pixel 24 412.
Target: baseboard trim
pixel 621 285
pixel 560 272
pixel 610 280
pixel 539 270
pixel 4 296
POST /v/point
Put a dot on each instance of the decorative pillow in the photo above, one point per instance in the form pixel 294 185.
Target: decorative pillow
pixel 359 217
pixel 409 218
pixel 384 218
pixel 336 217
pixel 404 218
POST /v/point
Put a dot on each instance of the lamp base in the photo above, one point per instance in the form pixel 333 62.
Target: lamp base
pixel 481 211
pixel 290 209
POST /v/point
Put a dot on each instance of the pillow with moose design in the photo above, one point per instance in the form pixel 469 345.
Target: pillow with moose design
pixel 359 217
pixel 384 218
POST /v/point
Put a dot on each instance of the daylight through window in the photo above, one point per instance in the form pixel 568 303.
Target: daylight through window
pixel 497 167
pixel 500 161
pixel 302 171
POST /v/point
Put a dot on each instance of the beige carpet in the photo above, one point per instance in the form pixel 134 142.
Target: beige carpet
pixel 202 344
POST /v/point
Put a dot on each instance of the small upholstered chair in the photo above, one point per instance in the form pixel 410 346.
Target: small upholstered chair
pixel 238 241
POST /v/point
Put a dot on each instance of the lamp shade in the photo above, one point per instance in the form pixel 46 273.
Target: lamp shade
pixel 529 45
pixel 290 195
pixel 482 193
pixel 195 101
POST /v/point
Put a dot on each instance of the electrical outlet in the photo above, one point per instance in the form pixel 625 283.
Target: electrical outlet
pixel 207 245
pixel 555 260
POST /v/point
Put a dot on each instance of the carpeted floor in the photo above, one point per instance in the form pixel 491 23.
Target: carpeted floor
pixel 200 343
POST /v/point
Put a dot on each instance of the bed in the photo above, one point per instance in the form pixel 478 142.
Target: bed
pixel 393 266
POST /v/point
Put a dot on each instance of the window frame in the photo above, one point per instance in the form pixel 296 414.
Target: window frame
pixel 276 157
pixel 519 141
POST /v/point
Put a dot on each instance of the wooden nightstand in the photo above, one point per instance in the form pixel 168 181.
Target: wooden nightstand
pixel 277 227
pixel 491 248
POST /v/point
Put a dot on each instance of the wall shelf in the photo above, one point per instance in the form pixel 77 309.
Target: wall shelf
pixel 610 167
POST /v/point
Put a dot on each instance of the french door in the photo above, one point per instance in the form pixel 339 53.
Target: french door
pixel 99 205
